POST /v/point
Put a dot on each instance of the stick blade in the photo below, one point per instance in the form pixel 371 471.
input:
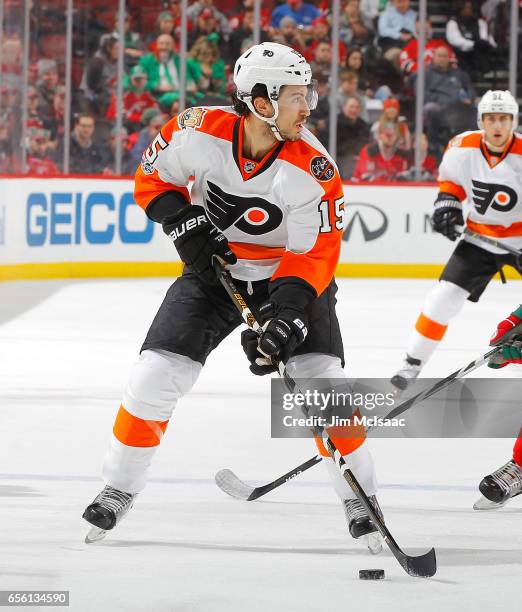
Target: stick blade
pixel 423 566
pixel 230 484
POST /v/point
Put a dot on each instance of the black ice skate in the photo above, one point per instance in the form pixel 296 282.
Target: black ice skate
pixel 500 486
pixel 106 511
pixel 360 524
pixel 407 374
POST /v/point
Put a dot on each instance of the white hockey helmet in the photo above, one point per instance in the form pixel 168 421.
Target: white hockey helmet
pixel 497 101
pixel 273 65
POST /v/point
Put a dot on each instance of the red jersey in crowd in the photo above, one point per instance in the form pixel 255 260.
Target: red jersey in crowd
pixel 42 166
pixel 408 56
pixel 134 104
pixel 371 165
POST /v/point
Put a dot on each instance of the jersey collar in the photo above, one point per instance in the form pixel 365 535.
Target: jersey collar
pixel 493 159
pixel 248 167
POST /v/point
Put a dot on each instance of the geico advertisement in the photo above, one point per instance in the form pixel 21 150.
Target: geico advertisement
pixel 52 220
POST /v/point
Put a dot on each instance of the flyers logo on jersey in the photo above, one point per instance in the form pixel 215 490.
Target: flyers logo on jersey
pixel 322 168
pixel 191 118
pixel 498 197
pixel 251 215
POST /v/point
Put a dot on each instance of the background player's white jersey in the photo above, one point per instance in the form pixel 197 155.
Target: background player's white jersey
pixel 491 185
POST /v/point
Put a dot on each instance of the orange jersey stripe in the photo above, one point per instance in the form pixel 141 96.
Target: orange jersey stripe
pixel 133 431
pixel 496 231
pixel 245 250
pixel 429 328
pixel 453 188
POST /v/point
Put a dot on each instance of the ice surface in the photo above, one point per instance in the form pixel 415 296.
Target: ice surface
pixel 65 351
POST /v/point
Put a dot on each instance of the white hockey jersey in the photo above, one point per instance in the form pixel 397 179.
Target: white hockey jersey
pixel 282 216
pixel 491 186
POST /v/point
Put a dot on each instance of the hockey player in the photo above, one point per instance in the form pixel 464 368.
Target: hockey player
pixel 483 167
pixel 268 200
pixel 506 482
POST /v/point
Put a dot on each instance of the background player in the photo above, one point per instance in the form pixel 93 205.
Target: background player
pixel 506 482
pixel 267 198
pixel 484 167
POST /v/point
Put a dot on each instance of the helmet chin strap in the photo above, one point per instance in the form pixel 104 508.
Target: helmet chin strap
pixel 270 120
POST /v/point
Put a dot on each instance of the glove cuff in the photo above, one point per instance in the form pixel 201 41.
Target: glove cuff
pixel 448 204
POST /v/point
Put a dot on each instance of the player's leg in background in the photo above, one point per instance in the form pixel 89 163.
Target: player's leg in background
pixel 465 276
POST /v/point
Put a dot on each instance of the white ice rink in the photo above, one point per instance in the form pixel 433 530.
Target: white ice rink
pixel 65 350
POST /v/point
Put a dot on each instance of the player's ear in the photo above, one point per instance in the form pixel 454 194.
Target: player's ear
pixel 263 106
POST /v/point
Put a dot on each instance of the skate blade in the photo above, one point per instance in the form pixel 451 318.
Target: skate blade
pixel 95 535
pixel 374 542
pixel 485 504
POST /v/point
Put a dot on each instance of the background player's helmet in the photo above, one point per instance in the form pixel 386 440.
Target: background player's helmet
pixel 273 65
pixel 497 101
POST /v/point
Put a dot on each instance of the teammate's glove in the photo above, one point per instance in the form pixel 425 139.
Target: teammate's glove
pixel 509 336
pixel 197 240
pixel 284 329
pixel 446 216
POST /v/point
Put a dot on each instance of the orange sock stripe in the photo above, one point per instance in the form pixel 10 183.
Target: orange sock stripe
pixel 429 328
pixel 133 431
pixel 346 439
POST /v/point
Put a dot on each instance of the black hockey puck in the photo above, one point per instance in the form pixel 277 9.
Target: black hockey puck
pixel 371 574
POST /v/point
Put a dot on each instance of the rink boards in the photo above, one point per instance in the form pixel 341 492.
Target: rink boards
pixel 77 227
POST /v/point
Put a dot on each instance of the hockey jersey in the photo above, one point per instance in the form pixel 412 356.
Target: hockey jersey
pixel 282 215
pixel 491 186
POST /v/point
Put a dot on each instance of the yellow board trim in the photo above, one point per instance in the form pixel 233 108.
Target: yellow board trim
pixel 119 269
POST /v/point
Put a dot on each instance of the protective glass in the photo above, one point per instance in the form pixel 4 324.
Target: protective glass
pixel 292 96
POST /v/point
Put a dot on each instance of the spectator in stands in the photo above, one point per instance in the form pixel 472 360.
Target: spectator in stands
pixel 449 96
pixel 348 88
pixel 195 11
pixel 169 104
pixel 208 65
pixel 469 36
pixel 352 134
pixel 54 121
pixel 163 68
pixel 248 6
pixel 33 100
pixel 165 24
pixel 133 45
pixel 244 31
pixel 8 160
pixel 47 84
pixel 12 53
pixel 38 160
pixel 100 74
pixel 322 61
pixel 356 28
pixel 290 35
pixel 355 63
pixel 321 33
pixel 135 100
pixel 391 116
pixel 408 56
pixel 429 166
pixel 152 120
pixel 396 29
pixel 381 161
pixel 302 12
pixel 109 154
pixel 85 154
pixel 206 25
pixel 371 9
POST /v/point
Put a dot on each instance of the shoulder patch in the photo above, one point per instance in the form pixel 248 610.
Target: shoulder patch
pixel 322 168
pixel 191 118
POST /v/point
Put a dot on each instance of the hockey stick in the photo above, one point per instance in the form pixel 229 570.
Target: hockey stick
pixel 422 565
pixel 492 241
pixel 231 484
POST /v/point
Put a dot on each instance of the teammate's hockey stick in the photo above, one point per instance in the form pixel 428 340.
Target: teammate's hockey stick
pixel 422 565
pixel 489 240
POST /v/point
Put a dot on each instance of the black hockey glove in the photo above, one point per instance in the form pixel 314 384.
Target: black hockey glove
pixel 284 322
pixel 197 240
pixel 447 216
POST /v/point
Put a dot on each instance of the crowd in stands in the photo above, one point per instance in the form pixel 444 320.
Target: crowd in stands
pixel 375 97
